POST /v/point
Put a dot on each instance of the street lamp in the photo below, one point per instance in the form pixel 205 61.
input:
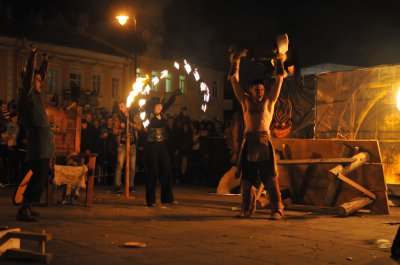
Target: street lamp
pixel 122 20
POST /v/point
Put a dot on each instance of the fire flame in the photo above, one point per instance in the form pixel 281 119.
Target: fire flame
pixel 187 66
pixel 146 90
pixel 196 74
pixel 155 80
pixel 137 88
pixel 398 99
pixel 146 123
pixel 142 115
pixel 164 74
pixel 203 86
pixel 142 102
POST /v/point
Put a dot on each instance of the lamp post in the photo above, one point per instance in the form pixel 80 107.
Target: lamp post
pixel 122 20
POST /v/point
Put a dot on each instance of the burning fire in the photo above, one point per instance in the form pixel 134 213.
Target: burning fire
pixel 142 86
pixel 187 66
pixel 137 88
pixel 196 74
pixel 164 74
pixel 398 99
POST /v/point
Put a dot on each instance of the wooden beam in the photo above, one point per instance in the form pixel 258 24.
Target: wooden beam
pixel 78 129
pixel 356 186
pixel 24 254
pixel 361 159
pixel 311 208
pixel 335 184
pixel 29 236
pixel 352 206
pixel 315 161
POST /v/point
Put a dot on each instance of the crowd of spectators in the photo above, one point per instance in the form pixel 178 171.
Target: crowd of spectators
pixel 199 149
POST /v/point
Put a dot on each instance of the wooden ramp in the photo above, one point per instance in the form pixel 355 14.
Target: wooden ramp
pixel 332 175
pixel 10 245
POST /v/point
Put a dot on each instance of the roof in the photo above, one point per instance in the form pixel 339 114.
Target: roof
pixel 327 67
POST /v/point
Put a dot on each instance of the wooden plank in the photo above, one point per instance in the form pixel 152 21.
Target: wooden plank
pixel 334 187
pixel 361 159
pixel 357 186
pixel 7 243
pixel 90 182
pixel 29 236
pixel 24 254
pixel 315 161
pixel 311 208
pixel 352 206
pixel 78 128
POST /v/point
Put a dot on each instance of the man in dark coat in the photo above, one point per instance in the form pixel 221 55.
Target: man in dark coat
pixel 40 138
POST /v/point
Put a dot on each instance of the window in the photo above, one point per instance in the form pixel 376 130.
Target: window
pixel 214 89
pixel 168 83
pixel 115 87
pixel 75 81
pixel 52 88
pixel 182 84
pixel 153 75
pixel 96 85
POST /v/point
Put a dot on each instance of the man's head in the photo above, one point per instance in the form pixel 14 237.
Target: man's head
pixel 158 108
pixel 37 83
pixel 122 106
pixel 84 124
pixel 88 117
pixel 3 105
pixel 257 89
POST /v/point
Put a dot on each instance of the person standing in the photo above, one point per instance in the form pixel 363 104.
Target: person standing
pixel 40 138
pixel 157 160
pixel 257 158
pixel 121 151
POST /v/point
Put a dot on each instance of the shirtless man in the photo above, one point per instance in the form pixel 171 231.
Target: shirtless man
pixel 257 158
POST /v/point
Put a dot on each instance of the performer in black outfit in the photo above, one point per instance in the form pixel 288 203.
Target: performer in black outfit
pixel 156 155
pixel 40 138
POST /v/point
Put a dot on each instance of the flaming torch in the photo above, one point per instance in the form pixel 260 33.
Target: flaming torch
pixel 398 99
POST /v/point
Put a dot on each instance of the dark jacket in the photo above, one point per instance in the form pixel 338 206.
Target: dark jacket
pixel 32 113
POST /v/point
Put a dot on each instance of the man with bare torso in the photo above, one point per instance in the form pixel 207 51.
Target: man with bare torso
pixel 257 159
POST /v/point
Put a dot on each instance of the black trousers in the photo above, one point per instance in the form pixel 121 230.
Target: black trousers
pixel 158 166
pixel 40 169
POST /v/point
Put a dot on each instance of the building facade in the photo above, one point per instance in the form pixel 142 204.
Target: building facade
pixel 103 79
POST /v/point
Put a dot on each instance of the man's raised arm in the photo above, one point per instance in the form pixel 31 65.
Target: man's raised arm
pixel 273 94
pixel 29 67
pixel 237 87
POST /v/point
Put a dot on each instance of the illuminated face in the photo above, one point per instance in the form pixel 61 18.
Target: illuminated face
pixel 122 106
pixel 37 83
pixel 88 117
pixel 257 91
pixel 158 108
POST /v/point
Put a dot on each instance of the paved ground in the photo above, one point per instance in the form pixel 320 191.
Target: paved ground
pixel 202 230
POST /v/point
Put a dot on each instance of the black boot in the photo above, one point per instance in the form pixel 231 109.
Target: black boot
pixel 24 214
pixel 32 212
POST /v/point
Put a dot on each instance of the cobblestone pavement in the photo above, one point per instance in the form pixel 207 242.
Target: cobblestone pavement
pixel 201 230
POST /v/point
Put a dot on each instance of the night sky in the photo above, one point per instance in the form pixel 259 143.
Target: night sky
pixel 362 33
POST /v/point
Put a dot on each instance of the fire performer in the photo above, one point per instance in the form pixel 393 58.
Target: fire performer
pixel 156 156
pixel 40 138
pixel 257 158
